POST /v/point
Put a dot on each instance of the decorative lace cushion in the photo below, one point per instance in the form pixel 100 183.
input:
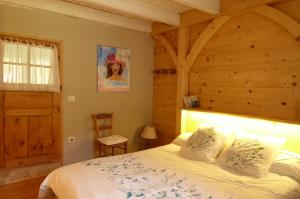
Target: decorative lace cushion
pixel 182 138
pixel 204 145
pixel 287 164
pixel 251 155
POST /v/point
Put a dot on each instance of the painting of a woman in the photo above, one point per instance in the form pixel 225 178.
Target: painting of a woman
pixel 113 69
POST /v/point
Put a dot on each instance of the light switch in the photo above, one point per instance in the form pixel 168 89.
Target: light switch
pixel 71 98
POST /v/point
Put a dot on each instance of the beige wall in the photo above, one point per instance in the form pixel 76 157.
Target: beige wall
pixel 132 109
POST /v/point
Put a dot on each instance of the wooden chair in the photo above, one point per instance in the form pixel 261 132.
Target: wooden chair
pixel 104 137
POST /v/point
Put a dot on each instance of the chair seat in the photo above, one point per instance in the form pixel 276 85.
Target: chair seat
pixel 112 140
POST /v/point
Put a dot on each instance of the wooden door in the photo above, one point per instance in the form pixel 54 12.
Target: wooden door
pixel 31 126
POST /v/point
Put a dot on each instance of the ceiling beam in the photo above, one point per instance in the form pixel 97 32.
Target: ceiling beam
pixel 141 9
pixel 70 9
pixel 209 6
pixel 228 7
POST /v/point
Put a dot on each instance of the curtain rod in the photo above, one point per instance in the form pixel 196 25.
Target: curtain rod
pixel 27 40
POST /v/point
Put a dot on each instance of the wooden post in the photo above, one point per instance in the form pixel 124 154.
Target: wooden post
pixel 182 73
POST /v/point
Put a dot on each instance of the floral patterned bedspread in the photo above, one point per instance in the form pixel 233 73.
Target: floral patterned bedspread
pixel 159 174
pixel 136 180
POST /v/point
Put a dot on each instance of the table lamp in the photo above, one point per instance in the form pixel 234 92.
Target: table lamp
pixel 149 133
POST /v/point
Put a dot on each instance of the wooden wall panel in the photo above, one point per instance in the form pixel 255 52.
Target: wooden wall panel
pixel 16 135
pixel 32 127
pixel 196 30
pixel 164 91
pixel 41 135
pixel 251 66
pixel 27 100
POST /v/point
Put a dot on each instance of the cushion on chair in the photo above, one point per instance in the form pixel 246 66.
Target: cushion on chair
pixel 112 140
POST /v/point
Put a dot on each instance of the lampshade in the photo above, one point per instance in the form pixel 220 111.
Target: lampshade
pixel 149 133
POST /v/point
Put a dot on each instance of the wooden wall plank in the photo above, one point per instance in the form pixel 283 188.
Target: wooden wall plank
pixel 27 100
pixel 247 55
pixel 163 61
pixel 16 137
pixel 40 139
pixel 259 75
pixel 281 104
pixel 251 66
pixel 169 48
pixel 172 37
pixel 203 38
pixel 27 112
pixel 164 91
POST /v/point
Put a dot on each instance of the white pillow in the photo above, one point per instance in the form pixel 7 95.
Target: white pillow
pixel 251 154
pixel 287 164
pixel 182 138
pixel 204 145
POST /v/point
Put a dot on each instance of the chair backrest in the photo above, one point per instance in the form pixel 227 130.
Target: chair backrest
pixel 103 124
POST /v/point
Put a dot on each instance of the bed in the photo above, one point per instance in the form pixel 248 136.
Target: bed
pixel 161 173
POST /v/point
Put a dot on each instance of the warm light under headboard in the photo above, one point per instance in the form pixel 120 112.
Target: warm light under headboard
pixel 190 120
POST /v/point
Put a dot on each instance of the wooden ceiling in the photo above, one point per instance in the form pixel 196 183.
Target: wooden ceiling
pixel 131 14
pixel 169 5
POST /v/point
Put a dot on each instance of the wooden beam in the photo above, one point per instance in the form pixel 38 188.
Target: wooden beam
pixel 182 73
pixel 235 5
pixel 141 9
pixel 74 10
pixel 203 38
pixel 170 50
pixel 209 6
pixel 228 7
pixel 280 18
pixel 158 27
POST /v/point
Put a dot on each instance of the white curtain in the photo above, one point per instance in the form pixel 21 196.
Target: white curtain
pixel 28 67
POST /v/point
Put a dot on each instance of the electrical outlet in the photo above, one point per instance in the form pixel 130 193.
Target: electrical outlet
pixel 71 139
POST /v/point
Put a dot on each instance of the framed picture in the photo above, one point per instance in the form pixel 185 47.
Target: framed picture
pixel 191 101
pixel 113 69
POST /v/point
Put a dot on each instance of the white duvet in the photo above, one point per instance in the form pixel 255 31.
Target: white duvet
pixel 161 173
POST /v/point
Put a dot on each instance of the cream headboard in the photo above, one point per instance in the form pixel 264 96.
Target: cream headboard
pixel 190 120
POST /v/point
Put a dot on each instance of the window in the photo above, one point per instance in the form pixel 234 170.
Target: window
pixel 29 67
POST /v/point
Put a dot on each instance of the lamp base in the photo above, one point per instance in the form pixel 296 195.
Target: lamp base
pixel 148 143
